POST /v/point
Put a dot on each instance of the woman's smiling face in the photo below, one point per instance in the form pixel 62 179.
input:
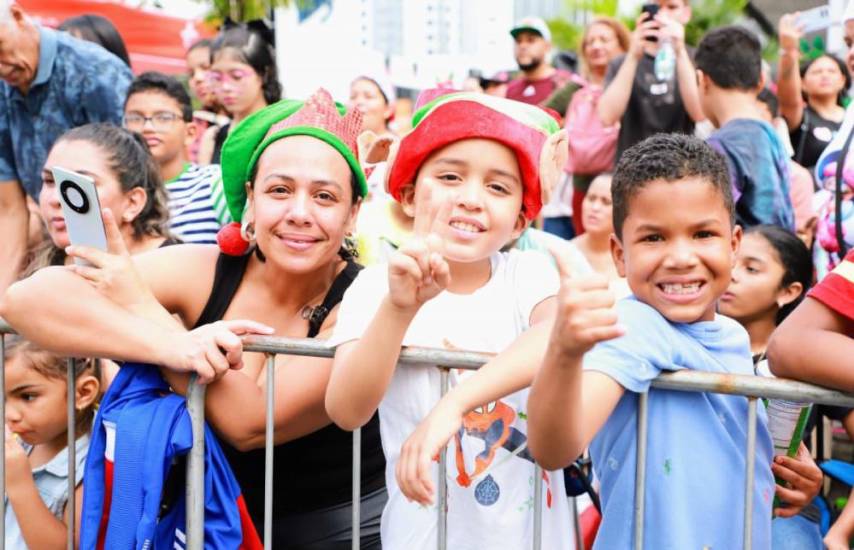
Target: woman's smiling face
pixel 301 203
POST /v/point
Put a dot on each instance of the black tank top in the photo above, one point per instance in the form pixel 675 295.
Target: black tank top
pixel 812 137
pixel 219 139
pixel 315 471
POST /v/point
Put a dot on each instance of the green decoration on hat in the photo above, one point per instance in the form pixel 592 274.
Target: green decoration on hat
pixel 319 117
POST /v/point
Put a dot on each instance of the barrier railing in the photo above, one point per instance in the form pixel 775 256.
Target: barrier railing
pixel 752 387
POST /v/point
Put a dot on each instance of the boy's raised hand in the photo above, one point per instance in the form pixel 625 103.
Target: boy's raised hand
pixel 790 33
pixel 418 272
pixel 585 310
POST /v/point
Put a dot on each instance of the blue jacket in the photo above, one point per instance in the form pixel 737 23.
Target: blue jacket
pixel 152 429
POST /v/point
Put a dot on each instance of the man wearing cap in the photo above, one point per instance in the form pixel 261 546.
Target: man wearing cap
pixel 50 82
pixel 538 79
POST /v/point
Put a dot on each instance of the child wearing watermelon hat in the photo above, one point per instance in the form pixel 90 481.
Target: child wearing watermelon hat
pixel 471 173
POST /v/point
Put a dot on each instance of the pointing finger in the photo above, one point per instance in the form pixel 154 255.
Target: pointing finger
pixel 441 219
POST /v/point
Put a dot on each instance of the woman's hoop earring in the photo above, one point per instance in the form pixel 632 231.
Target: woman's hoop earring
pixel 247 231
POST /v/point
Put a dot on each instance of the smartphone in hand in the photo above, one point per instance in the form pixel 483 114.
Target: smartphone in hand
pixel 814 19
pixel 81 208
pixel 650 8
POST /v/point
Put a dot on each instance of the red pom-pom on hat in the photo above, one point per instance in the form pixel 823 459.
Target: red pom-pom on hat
pixel 230 240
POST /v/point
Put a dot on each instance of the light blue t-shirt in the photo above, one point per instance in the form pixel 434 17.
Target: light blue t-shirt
pixel 52 483
pixel 696 451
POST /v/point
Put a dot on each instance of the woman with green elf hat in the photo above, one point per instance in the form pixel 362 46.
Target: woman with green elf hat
pixel 293 181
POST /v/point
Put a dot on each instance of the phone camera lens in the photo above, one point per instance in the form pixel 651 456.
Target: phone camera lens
pixel 74 196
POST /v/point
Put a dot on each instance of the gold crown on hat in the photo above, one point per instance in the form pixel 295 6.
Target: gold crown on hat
pixel 319 111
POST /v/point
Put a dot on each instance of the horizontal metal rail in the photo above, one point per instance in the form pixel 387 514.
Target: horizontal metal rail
pixel 751 387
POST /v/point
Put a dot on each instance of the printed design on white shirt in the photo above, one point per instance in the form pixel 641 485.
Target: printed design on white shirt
pixel 493 424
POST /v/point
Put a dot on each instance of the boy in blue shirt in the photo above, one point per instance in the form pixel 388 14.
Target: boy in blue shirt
pixel 675 242
pixel 729 74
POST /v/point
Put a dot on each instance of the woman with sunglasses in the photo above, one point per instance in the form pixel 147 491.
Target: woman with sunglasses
pixel 243 75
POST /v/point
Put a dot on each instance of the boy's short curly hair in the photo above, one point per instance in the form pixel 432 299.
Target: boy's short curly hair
pixel 667 157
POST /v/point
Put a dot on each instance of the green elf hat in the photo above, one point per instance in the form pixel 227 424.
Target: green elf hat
pixel 530 132
pixel 319 116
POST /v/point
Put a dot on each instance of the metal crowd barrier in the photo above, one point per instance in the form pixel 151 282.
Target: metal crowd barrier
pixel 752 387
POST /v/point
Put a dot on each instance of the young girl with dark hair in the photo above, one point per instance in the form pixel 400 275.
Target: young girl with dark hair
pixel 128 183
pixel 36 439
pixel 244 76
pixel 772 274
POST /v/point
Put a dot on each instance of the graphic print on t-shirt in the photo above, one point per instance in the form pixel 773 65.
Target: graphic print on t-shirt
pixel 493 424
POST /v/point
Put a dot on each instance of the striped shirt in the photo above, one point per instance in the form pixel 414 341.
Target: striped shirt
pixel 197 204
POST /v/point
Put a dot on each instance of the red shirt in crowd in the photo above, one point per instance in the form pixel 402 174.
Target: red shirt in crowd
pixel 536 91
pixel 836 290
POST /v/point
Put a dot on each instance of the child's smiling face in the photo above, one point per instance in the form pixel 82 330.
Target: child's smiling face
pixel 677 248
pixel 481 178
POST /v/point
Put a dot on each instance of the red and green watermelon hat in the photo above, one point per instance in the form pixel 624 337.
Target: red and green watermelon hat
pixel 452 117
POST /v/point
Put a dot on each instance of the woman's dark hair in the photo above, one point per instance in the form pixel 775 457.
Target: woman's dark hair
pixel 795 258
pixel 255 48
pixel 129 158
pixel 97 29
pixel 842 68
pixel 131 161
pixel 203 43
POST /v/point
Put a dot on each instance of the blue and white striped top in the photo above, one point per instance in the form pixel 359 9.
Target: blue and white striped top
pixel 197 206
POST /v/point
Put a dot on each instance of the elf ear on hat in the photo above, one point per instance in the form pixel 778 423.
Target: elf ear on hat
pixel 319 117
pixel 451 117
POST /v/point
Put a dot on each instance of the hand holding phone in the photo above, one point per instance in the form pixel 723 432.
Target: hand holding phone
pixel 81 208
pixel 651 9
pixel 814 19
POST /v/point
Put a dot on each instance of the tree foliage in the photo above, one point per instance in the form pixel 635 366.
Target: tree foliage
pixel 244 10
pixel 706 14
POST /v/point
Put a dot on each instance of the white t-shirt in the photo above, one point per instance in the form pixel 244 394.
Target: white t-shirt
pixel 495 510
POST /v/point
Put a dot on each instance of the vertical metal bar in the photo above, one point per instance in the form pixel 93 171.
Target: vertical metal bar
pixel 268 454
pixel 195 490
pixel 71 427
pixel 640 471
pixel 538 507
pixel 750 474
pixel 442 536
pixel 3 447
pixel 357 488
pixel 576 524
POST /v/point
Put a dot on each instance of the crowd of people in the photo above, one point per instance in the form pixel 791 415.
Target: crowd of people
pixel 664 207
